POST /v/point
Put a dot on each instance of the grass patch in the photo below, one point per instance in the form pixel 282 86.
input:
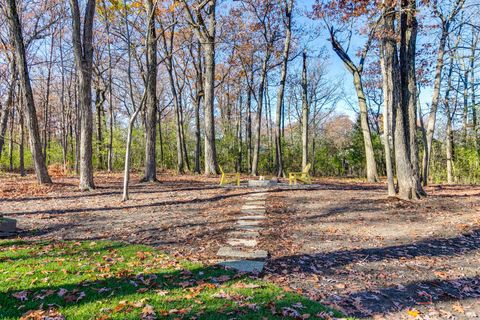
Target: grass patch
pixel 111 280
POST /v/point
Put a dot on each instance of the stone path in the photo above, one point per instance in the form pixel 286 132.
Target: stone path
pixel 243 253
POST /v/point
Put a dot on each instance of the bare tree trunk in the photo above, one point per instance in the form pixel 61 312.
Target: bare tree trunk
pixel 210 149
pixel 46 124
pixel 10 104
pixel 198 101
pixel 110 94
pixel 434 106
pixel 63 126
pixel 26 89
pixel 281 89
pixel 206 33
pixel 408 182
pixel 83 53
pixel 305 111
pixel 99 100
pixel 473 48
pixel 10 143
pixel 372 175
pixel 22 142
pixel 386 62
pixel 258 128
pixel 449 142
pixel 126 173
pixel 465 107
pixel 356 71
pixel 151 98
pixel 445 24
pixel 249 126
pixel 409 90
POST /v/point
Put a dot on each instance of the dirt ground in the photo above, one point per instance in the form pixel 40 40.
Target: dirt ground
pixel 341 242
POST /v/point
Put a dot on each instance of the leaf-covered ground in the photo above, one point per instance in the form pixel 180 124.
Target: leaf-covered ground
pixel 347 245
pixel 111 280
pixel 340 242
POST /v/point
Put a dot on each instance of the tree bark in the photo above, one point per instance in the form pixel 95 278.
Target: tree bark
pixel 206 33
pixel 26 90
pixel 408 182
pixel 151 98
pixel 281 89
pixel 258 128
pixel 83 53
pixel 5 112
pixel 449 114
pixel 99 101
pixel 305 111
pixel 371 166
pixel 356 71
pixel 445 24
pixel 432 117
pixel 386 62
pixel 210 148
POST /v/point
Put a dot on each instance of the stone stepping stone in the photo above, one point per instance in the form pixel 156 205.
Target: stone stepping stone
pixel 255 203
pixel 249 228
pixel 252 206
pixel 244 234
pixel 244 265
pixel 248 222
pixel 242 242
pixel 255 200
pixel 238 253
pixel 256 217
pixel 251 211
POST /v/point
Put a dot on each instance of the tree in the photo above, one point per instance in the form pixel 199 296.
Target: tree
pixel 305 111
pixel 26 90
pixel 400 86
pixel 83 53
pixel 343 9
pixel 281 87
pixel 445 24
pixel 205 32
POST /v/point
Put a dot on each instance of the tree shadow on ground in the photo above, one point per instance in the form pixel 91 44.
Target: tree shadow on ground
pixel 411 295
pixel 176 291
pixel 435 247
pixel 389 299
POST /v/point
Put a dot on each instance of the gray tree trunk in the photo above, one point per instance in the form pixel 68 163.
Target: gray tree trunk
pixel 258 128
pixel 386 61
pixel 83 53
pixel 305 111
pixel 372 175
pixel 151 98
pixel 5 111
pixel 211 166
pixel 408 182
pixel 26 89
pixel 281 89
pixel 432 116
pixel 371 166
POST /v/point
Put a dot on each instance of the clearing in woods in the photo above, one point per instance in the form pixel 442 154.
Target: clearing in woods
pixel 340 242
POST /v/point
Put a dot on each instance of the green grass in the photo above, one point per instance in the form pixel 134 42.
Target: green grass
pixel 111 280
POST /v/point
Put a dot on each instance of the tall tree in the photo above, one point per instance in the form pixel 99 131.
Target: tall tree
pixel 356 71
pixel 399 84
pixel 151 96
pixel 83 52
pixel 205 31
pixel 305 111
pixel 26 90
pixel 281 88
pixel 446 21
